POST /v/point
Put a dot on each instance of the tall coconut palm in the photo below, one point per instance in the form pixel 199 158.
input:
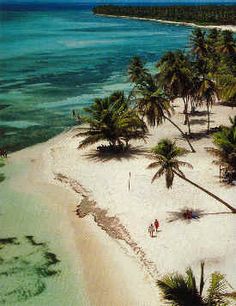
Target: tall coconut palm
pixel 182 290
pixel 213 56
pixel 137 73
pixel 198 43
pixel 175 77
pixel 112 120
pixel 166 154
pixel 199 50
pixel 136 70
pixel 227 44
pixel 208 94
pixel 153 104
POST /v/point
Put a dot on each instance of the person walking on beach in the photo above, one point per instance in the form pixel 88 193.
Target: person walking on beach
pixel 151 230
pixel 156 224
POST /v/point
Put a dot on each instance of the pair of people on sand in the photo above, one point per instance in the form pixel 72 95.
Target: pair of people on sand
pixel 153 227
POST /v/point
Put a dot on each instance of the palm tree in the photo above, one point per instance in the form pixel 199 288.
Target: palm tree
pixel 198 43
pixel 182 290
pixel 226 84
pixel 166 154
pixel 112 120
pixel 153 104
pixel 227 44
pixel 207 93
pixel 175 77
pixel 225 151
pixel 136 70
pixel 137 73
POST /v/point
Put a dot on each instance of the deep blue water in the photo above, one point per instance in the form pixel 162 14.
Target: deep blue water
pixel 54 60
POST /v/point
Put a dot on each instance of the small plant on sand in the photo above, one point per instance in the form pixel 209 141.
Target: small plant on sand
pixel 166 154
pixel 112 120
pixel 182 290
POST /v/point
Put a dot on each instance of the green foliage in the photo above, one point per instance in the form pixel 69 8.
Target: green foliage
pixel 200 14
pixel 2 176
pixel 166 153
pixel 111 119
pixel 182 290
pixel 225 141
pixel 136 70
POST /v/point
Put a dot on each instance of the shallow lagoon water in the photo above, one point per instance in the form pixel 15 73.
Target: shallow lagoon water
pixel 36 254
pixel 53 61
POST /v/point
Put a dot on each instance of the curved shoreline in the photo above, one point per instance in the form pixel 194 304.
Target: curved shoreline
pixel 109 269
pixel 188 24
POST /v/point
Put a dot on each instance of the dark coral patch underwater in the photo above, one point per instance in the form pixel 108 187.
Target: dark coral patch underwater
pixel 24 266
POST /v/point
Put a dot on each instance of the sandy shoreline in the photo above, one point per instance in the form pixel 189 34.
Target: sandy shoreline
pixel 120 262
pixel 220 27
pixel 111 273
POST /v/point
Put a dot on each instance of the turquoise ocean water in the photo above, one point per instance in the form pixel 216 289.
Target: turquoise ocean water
pixel 55 60
pixel 51 62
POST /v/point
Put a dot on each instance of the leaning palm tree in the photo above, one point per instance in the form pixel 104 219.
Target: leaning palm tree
pixel 112 120
pixel 166 154
pixel 182 290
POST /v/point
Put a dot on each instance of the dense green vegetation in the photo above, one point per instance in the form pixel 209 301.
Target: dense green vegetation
pixel 202 14
pixel 182 290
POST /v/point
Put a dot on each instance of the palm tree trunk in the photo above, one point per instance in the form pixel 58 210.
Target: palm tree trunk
pixel 182 133
pixel 233 210
pixel 208 118
pixel 185 112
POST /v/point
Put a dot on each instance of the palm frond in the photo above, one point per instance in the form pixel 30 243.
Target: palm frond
pixel 217 290
pixel 159 173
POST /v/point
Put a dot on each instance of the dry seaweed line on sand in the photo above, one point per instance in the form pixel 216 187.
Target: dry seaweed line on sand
pixel 111 225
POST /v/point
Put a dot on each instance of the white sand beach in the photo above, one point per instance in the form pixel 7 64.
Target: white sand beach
pixel 120 261
pixel 189 24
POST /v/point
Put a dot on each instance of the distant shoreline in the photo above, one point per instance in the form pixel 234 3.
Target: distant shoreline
pixel 221 27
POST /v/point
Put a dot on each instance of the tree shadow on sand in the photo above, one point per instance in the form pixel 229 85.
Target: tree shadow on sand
pixel 203 134
pixel 189 214
pixel 198 121
pixel 131 153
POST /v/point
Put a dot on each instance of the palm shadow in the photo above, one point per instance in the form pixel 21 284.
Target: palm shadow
pixel 198 114
pixel 196 215
pixel 131 153
pixel 203 134
pixel 198 121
